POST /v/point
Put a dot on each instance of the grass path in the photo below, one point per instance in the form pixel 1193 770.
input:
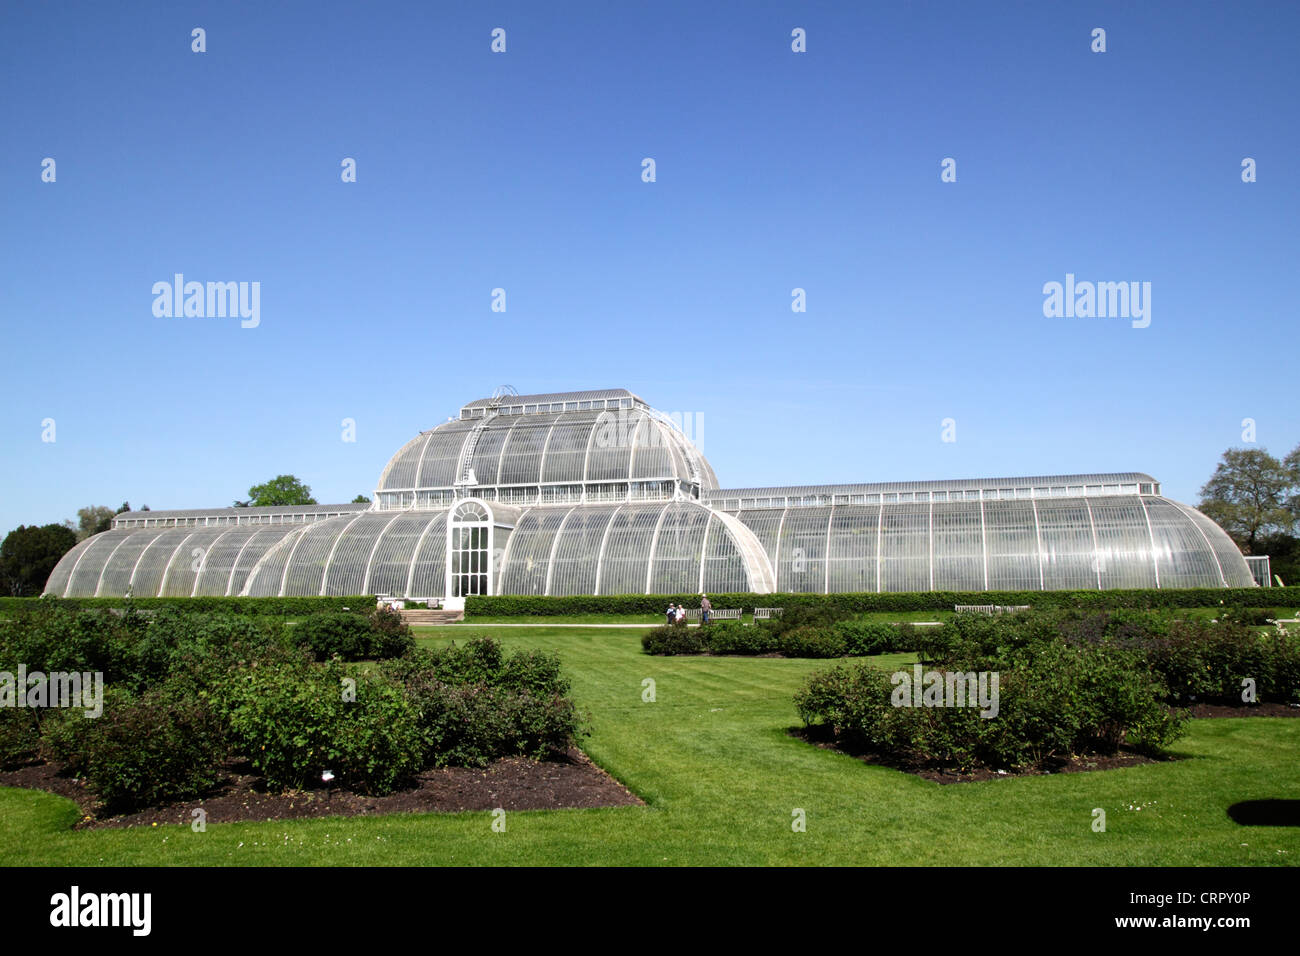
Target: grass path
pixel 721 778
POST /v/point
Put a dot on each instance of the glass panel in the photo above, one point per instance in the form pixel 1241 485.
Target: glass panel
pixel 801 566
pixel 307 566
pixel 651 458
pixel 905 548
pixel 724 567
pixel 764 524
pixel 852 555
pixel 611 445
pixel 262 542
pixel 266 573
pixel 442 454
pixel 627 550
pixel 1235 569
pixel 578 549
pixel 958 547
pixel 393 551
pixel 153 562
pixel 1185 559
pixel 346 570
pixel 530 552
pixel 106 571
pixel 1068 555
pixel 487 453
pixel 1012 545
pixel 679 549
pixel 567 451
pixel 425 572
pixel 178 579
pixel 522 459
pixel 1124 544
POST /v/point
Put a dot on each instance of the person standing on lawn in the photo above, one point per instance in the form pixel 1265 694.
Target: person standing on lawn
pixel 705 607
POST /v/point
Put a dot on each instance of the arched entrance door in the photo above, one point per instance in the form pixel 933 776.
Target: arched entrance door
pixel 469 550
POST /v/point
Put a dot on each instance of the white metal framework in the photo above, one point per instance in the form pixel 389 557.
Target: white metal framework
pixel 597 493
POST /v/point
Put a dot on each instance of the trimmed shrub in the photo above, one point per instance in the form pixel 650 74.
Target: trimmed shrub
pixel 733 637
pixel 473 704
pixel 188 690
pixel 131 650
pixel 49 638
pixel 809 641
pixel 1053 700
pixel 392 634
pixel 820 615
pixel 861 602
pixel 477 661
pixel 874 637
pixel 673 640
pixel 1208 661
pixel 146 750
pixel 797 637
pixel 252 606
pixel 20 736
pixel 378 636
pixel 331 634
pixel 534 672
pixel 470 724
pixel 481 660
pixel 852 702
pixel 295 722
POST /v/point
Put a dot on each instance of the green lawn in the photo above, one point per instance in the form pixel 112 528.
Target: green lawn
pixel 721 778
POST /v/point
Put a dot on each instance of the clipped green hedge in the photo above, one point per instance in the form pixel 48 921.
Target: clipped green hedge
pixel 860 602
pixel 254 606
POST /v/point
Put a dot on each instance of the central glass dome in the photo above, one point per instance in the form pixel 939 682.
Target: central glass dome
pixel 556 447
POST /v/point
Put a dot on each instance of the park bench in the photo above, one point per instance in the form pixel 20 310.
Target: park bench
pixel 767 613
pixel 989 608
pixel 717 614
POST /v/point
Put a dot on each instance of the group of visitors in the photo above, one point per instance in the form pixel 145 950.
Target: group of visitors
pixel 677 613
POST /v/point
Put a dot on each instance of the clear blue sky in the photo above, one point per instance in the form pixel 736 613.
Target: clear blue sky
pixel 522 170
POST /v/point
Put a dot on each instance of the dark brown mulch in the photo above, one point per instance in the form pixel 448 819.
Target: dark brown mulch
pixel 1242 710
pixel 570 781
pixel 938 774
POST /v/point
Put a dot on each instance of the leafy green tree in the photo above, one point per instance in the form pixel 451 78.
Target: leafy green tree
pixel 29 554
pixel 1248 496
pixel 1292 465
pixel 92 520
pixel 361 500
pixel 279 491
pixel 1283 552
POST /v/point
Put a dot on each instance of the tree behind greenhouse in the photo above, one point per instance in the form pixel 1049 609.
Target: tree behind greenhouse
pixel 29 554
pixel 1253 496
pixel 280 491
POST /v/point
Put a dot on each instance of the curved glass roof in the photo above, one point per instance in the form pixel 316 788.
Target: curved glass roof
pixel 650 548
pixel 580 447
pixel 595 492
pixel 164 561
pixel 1122 541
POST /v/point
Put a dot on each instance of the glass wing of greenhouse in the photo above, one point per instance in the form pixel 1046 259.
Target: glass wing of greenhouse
pixel 595 492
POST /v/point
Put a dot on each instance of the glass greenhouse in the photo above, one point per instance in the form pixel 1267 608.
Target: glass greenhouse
pixel 596 492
